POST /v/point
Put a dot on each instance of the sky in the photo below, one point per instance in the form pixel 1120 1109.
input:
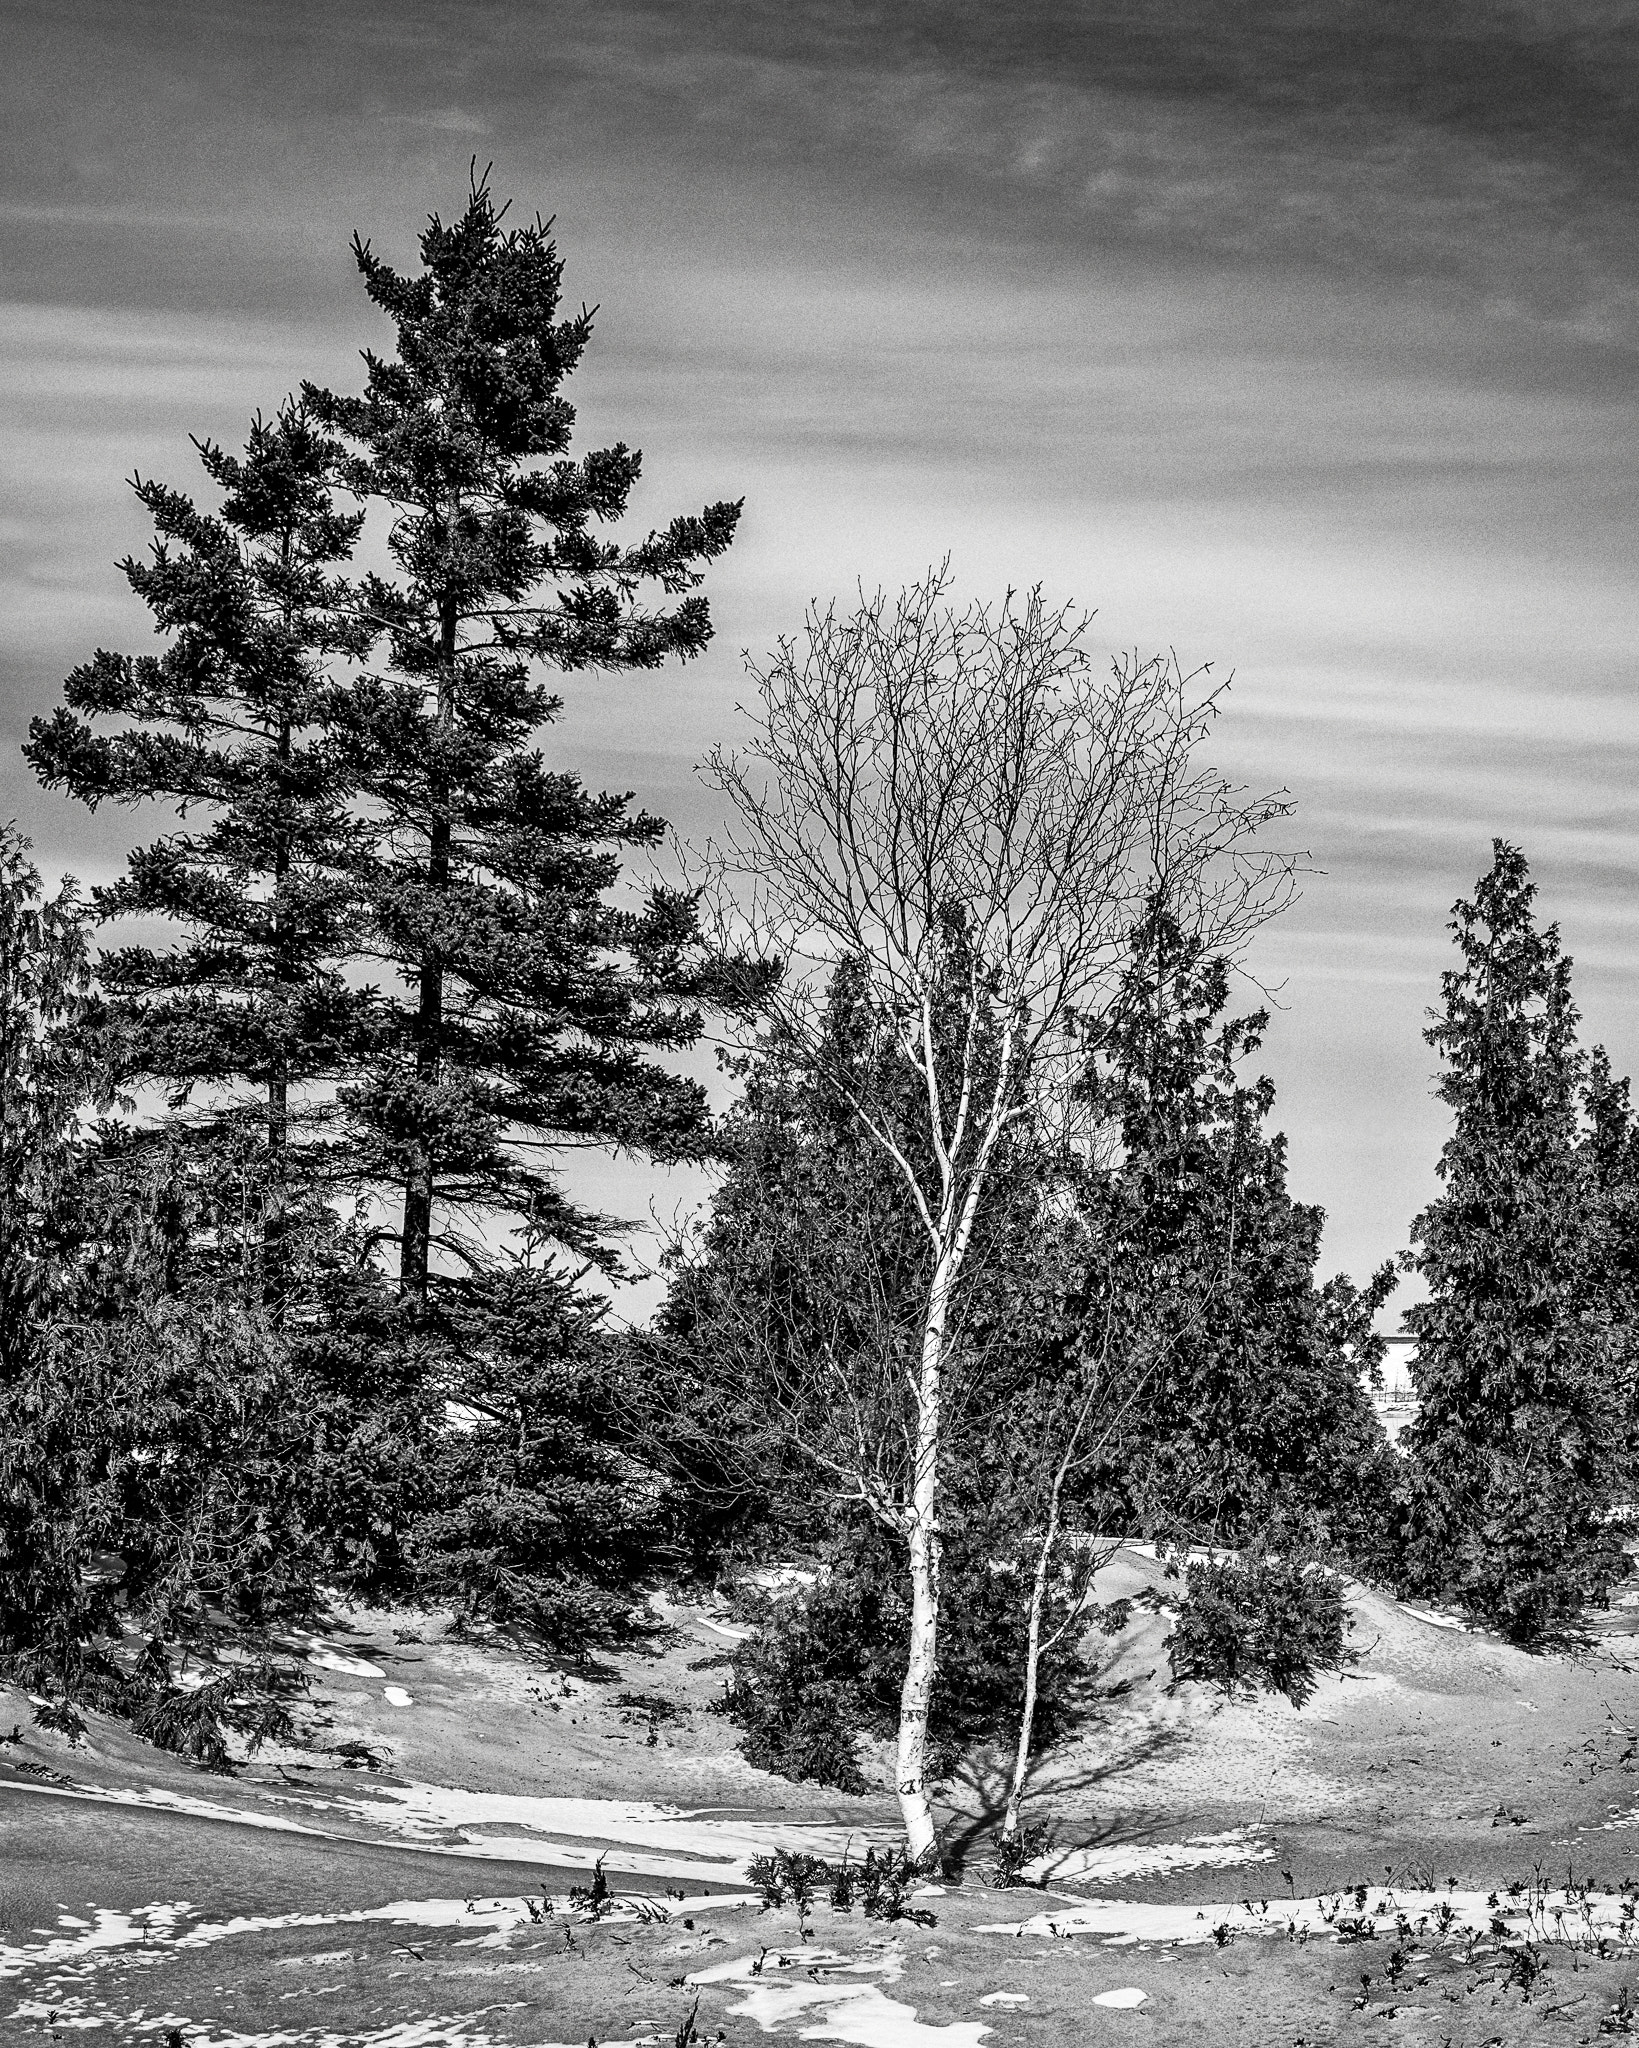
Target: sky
pixel 1299 338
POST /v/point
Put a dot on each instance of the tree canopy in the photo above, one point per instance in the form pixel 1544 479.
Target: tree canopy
pixel 1525 1434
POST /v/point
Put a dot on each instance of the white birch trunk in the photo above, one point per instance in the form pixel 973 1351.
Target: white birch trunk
pixel 1032 1664
pixel 911 1778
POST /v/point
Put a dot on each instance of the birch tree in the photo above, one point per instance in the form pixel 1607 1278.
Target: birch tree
pixel 958 803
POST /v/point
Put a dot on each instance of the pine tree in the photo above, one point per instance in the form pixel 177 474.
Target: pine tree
pixel 532 999
pixel 1241 1377
pixel 149 1418
pixel 46 1083
pixel 1610 1154
pixel 47 1080
pixel 538 1517
pixel 1524 1436
pixel 230 722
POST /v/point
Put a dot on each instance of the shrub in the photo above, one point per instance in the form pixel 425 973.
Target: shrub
pixel 829 1661
pixel 1259 1623
pixel 1014 1851
pixel 794 1690
pixel 191 1724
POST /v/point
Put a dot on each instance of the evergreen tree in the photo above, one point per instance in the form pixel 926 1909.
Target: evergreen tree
pixel 352 819
pixel 536 1513
pixel 532 999
pixel 1610 1155
pixel 1239 1381
pixel 1524 1437
pixel 230 722
pixel 45 1085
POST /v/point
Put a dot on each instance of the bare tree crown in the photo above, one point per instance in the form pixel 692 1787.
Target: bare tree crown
pixel 911 761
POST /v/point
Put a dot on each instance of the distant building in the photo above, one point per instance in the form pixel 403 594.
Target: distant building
pixel 1396 1400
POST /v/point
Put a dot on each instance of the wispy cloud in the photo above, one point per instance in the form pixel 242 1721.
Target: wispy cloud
pixel 1298 333
pixel 448 120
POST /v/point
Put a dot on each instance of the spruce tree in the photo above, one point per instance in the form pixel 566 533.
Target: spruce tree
pixel 538 1515
pixel 1239 1377
pixel 46 1083
pixel 229 721
pixel 1524 1436
pixel 531 998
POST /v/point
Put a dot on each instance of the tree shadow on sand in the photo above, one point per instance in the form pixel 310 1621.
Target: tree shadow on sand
pixel 978 1787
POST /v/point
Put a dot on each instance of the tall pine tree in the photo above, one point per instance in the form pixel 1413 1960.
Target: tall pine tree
pixel 1524 1436
pixel 1239 1377
pixel 532 1000
pixel 229 721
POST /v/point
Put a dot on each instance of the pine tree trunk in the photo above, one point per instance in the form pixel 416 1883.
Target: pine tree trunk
pixel 429 1023
pixel 276 1197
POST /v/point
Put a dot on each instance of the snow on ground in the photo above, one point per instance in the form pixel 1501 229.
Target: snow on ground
pixel 668 1841
pixel 168 1928
pixel 829 2008
pixel 328 1656
pixel 166 1802
pixel 570 1834
pixel 1550 1914
pixel 833 1996
pixel 447 2030
pixel 1436 1617
pixel 1147 1859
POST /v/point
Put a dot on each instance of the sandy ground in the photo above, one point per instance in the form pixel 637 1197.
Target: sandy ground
pixel 312 1898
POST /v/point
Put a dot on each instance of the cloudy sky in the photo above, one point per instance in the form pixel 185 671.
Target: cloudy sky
pixel 1298 337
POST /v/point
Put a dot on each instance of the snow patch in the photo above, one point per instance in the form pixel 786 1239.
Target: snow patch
pixel 781 1578
pixel 164 1927
pixel 1127 1999
pixel 648 1839
pixel 1143 1859
pixel 396 1696
pixel 1435 1916
pixel 168 1802
pixel 329 1658
pixel 861 2013
pixel 1434 1616
pixel 570 1834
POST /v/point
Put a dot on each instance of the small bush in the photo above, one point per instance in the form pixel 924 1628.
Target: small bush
pixel 793 1693
pixel 653 1710
pixel 594 1899
pixel 883 1883
pixel 886 1882
pixel 1014 1851
pixel 192 1724
pixel 1259 1623
pixel 830 1660
pixel 790 1875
